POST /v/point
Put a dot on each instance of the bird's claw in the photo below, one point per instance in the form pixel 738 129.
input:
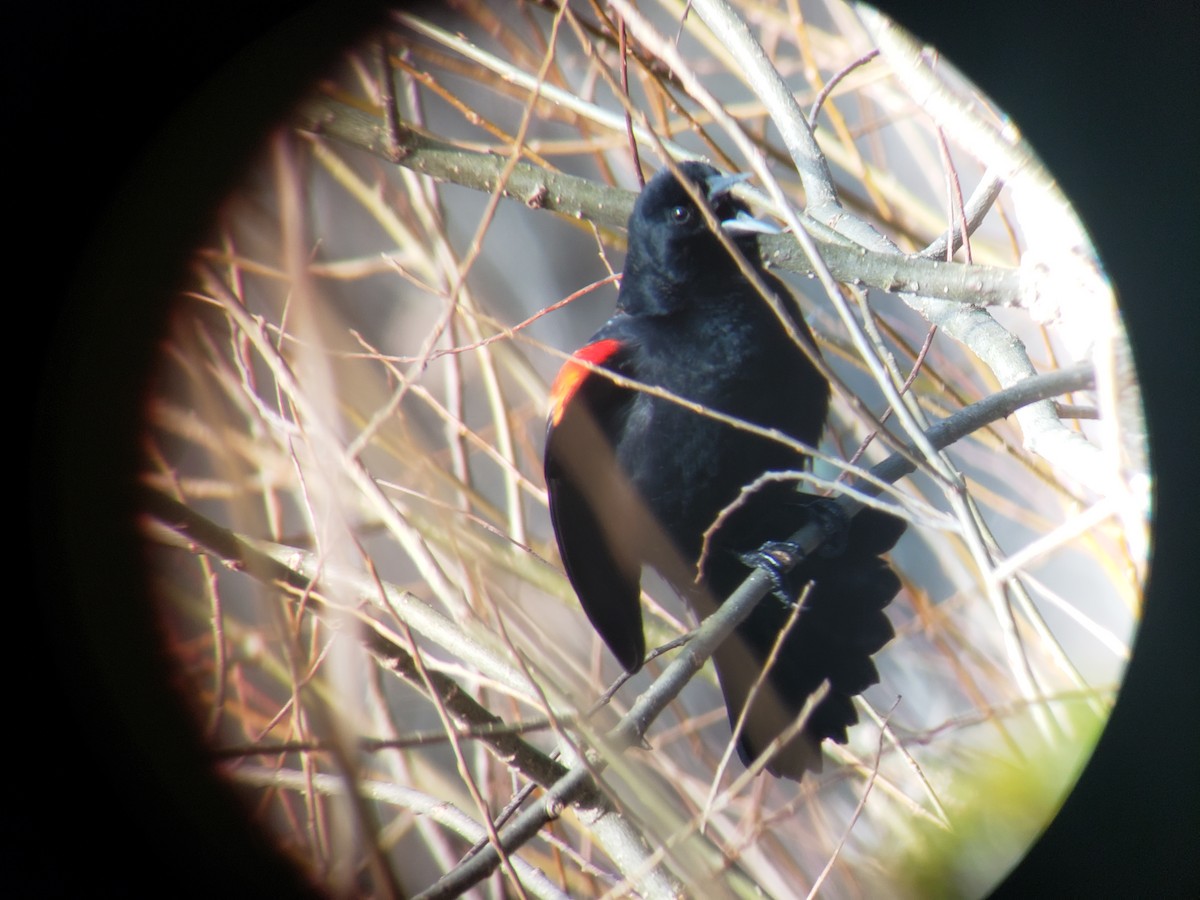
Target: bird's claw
pixel 776 559
pixel 834 523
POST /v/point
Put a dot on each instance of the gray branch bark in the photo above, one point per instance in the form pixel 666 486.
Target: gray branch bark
pixel 579 198
pixel 717 627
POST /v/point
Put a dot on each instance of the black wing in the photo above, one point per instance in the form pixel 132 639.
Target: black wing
pixel 593 507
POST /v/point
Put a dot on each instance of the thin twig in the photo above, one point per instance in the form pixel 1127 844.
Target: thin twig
pixel 445 814
pixel 833 82
pixel 633 147
pixel 721 623
pixel 581 198
pixel 862 802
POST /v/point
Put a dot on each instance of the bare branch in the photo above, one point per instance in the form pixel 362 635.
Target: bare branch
pixel 580 198
pixel 718 626
pixel 999 145
pixel 439 810
pixel 235 552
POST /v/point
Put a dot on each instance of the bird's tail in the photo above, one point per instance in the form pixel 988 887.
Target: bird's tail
pixel 841 624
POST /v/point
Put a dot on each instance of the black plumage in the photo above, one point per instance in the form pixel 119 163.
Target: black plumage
pixel 636 479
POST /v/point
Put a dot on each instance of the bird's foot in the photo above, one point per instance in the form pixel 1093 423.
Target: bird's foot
pixel 834 523
pixel 776 559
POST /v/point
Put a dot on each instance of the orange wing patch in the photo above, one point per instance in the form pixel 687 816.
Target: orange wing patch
pixel 572 374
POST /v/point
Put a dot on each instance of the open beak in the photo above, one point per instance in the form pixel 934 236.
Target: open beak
pixel 743 223
pixel 719 185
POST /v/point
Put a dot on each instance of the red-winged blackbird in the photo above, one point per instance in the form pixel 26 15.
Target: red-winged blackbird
pixel 636 478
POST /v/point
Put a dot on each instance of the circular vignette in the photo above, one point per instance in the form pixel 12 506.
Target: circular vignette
pixel 148 110
pixel 92 503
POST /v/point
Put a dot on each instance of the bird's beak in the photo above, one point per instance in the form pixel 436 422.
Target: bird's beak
pixel 743 223
pixel 719 185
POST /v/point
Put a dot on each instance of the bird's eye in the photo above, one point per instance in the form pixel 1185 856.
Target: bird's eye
pixel 681 215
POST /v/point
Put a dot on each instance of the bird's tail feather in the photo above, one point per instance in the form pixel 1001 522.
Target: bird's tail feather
pixel 841 625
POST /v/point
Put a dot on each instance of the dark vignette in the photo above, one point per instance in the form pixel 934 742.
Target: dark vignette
pixel 115 796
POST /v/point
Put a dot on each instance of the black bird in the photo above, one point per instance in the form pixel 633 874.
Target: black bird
pixel 636 479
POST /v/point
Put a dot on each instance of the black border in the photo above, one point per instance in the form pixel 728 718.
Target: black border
pixel 137 119
pixel 1107 93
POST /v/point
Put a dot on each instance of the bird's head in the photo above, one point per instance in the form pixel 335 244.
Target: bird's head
pixel 674 257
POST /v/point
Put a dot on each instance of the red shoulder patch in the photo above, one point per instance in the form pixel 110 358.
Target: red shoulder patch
pixel 572 374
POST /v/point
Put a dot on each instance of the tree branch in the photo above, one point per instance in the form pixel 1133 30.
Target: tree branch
pixel 576 785
pixel 1000 146
pixel 579 198
pixel 237 553
pixel 445 814
pixel 718 626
